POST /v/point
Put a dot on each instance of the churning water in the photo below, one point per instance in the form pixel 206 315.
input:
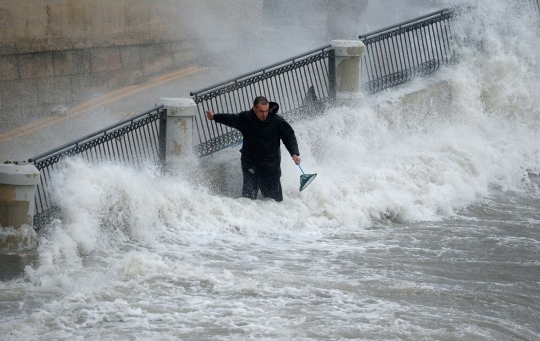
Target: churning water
pixel 418 227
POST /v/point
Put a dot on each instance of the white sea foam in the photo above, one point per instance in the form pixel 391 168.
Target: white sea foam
pixel 405 209
pixel 370 165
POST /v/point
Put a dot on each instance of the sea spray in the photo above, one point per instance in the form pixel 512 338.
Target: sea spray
pixel 418 226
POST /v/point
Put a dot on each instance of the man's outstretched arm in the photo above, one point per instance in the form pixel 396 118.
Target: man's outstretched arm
pixel 230 120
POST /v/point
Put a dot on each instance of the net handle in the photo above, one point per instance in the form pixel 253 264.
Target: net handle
pixel 301 169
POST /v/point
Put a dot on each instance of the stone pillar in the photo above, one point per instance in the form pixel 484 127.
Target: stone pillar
pixel 18 240
pixel 348 68
pixel 180 121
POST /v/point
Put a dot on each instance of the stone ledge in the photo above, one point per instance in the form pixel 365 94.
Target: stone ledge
pixel 131 58
pixel 8 68
pixel 36 65
pixel 105 59
pixel 71 62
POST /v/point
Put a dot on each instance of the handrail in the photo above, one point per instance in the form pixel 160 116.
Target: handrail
pixel 264 69
pixel 407 23
pixel 102 131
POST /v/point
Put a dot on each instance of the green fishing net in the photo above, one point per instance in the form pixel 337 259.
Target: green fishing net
pixel 305 180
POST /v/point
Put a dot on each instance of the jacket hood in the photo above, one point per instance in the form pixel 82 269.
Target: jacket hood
pixel 274 108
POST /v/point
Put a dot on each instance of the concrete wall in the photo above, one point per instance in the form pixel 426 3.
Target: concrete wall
pixel 49 25
pixel 60 52
pixel 38 82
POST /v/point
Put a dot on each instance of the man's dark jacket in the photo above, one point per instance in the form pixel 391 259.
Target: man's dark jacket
pixel 261 148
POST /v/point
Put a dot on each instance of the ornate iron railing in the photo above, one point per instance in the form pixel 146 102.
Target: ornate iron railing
pixel 301 84
pixel 394 55
pixel 134 141
pixel 397 54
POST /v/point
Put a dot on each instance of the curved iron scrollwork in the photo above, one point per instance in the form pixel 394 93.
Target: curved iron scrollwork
pixel 397 56
pixel 401 76
pixel 293 84
pixel 411 28
pixel 79 148
pixel 218 143
pixel 261 77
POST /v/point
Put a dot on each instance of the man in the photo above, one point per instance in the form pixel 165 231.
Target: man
pixel 262 129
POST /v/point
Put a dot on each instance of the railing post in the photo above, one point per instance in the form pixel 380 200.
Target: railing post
pixel 332 75
pixel 348 67
pixel 162 138
pixel 180 113
pixel 18 240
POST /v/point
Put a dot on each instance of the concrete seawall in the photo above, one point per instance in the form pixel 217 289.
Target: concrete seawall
pixel 55 54
pixel 38 83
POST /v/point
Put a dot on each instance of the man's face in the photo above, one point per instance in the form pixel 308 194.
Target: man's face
pixel 261 111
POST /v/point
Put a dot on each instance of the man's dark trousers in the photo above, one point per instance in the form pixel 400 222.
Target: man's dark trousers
pixel 270 187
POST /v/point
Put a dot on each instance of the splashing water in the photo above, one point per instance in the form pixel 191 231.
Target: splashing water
pixel 423 223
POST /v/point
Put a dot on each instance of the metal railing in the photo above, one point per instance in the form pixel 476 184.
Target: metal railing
pixel 301 84
pixel 134 141
pixel 397 54
pixel 394 55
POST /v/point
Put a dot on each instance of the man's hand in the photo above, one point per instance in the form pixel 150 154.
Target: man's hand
pixel 210 115
pixel 296 159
